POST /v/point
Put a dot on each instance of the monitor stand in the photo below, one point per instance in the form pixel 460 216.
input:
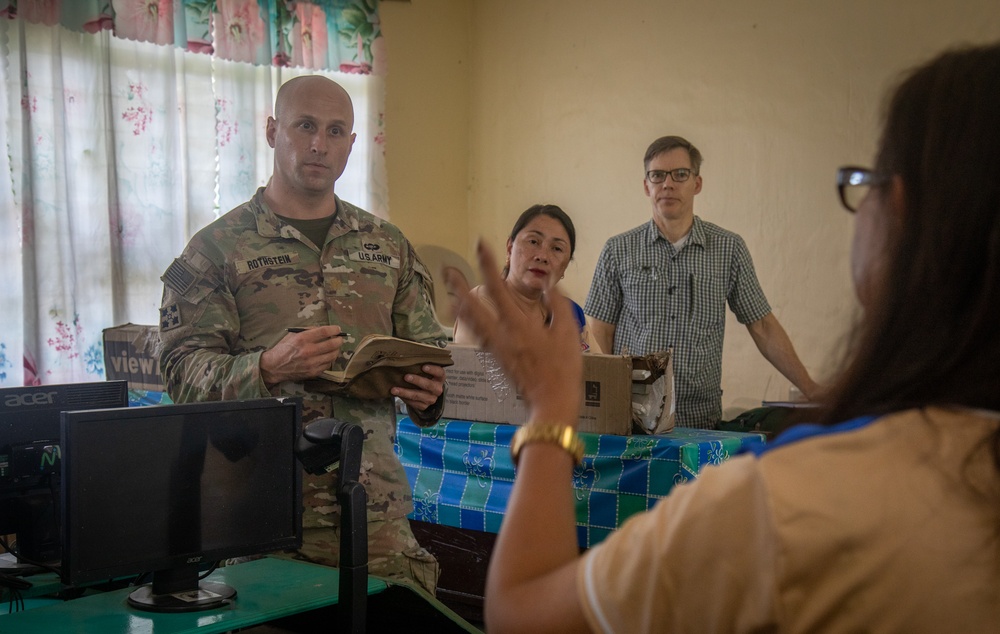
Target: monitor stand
pixel 9 565
pixel 179 590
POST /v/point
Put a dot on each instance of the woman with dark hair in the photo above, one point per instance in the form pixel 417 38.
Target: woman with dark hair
pixel 886 516
pixel 539 249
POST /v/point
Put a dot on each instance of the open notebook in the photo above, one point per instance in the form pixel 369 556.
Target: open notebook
pixel 378 364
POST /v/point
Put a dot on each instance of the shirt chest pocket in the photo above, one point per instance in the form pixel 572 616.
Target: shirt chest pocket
pixel 275 278
pixel 646 289
pixel 364 276
pixel 708 301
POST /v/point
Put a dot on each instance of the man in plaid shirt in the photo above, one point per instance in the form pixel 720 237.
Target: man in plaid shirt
pixel 664 285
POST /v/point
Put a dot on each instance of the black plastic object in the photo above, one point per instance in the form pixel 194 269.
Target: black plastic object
pixel 325 444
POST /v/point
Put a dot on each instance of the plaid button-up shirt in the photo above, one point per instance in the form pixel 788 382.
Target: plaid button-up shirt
pixel 660 298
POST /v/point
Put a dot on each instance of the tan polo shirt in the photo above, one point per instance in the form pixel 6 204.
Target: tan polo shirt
pixel 887 525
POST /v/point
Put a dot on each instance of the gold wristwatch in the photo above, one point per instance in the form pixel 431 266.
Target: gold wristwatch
pixel 562 435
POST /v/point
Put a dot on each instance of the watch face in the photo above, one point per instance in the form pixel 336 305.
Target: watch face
pixel 562 435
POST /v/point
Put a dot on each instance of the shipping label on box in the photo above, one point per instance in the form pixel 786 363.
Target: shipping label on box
pixel 478 390
pixel 132 353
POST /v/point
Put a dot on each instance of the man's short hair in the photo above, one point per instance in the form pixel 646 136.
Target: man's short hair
pixel 667 143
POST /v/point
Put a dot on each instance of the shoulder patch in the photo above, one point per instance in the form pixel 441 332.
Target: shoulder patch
pixel 428 280
pixel 179 276
pixel 170 317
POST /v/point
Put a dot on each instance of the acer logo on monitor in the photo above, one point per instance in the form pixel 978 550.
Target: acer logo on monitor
pixel 30 398
pixel 31 454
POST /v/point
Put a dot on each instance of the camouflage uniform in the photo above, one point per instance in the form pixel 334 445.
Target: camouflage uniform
pixel 244 279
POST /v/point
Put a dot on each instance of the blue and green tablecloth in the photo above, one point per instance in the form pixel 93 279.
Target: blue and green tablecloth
pixel 461 472
pixel 147 397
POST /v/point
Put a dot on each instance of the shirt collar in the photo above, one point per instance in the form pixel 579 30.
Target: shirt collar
pixel 697 233
pixel 269 226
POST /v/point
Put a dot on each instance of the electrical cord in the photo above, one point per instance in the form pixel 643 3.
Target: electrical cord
pixel 141 578
pixel 210 570
pixel 24 560
pixel 14 585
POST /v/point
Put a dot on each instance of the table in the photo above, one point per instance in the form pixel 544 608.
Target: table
pixel 461 475
pixel 461 472
pixel 277 594
pixel 267 589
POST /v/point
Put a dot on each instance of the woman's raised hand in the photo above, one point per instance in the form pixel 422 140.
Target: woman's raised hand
pixel 543 360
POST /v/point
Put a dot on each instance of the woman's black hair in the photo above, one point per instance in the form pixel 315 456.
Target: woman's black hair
pixel 931 336
pixel 552 211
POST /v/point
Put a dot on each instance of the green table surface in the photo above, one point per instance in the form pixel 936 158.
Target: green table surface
pixel 267 589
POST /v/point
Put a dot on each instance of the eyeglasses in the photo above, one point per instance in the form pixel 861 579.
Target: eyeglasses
pixel 678 175
pixel 854 183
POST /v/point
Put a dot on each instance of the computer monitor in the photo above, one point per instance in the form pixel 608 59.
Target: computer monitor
pixel 30 460
pixel 170 489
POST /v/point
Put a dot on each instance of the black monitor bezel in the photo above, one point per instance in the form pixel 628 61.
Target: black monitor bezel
pixel 17 426
pixel 73 574
pixel 38 423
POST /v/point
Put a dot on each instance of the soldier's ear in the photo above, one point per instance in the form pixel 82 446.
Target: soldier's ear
pixel 271 131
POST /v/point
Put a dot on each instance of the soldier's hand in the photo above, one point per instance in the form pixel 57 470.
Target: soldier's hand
pixel 426 389
pixel 301 355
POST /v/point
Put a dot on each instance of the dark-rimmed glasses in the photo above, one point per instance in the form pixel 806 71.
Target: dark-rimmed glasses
pixel 678 175
pixel 854 183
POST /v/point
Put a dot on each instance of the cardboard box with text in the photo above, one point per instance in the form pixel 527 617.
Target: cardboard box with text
pixel 132 353
pixel 478 390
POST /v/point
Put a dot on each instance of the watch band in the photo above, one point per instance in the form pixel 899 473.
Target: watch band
pixel 561 435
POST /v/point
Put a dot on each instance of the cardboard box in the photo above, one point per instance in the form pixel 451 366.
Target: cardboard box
pixel 132 353
pixel 478 390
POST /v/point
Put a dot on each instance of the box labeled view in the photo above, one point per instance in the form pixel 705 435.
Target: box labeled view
pixel 132 353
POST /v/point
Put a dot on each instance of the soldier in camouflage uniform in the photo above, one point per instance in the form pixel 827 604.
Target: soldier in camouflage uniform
pixel 296 255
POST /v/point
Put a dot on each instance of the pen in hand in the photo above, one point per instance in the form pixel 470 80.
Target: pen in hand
pixel 301 329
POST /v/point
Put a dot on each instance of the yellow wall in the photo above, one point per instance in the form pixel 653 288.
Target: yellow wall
pixel 427 118
pixel 556 101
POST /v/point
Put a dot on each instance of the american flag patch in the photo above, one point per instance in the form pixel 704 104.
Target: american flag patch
pixel 179 277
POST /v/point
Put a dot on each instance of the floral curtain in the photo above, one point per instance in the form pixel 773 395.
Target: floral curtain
pixel 322 34
pixel 126 126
